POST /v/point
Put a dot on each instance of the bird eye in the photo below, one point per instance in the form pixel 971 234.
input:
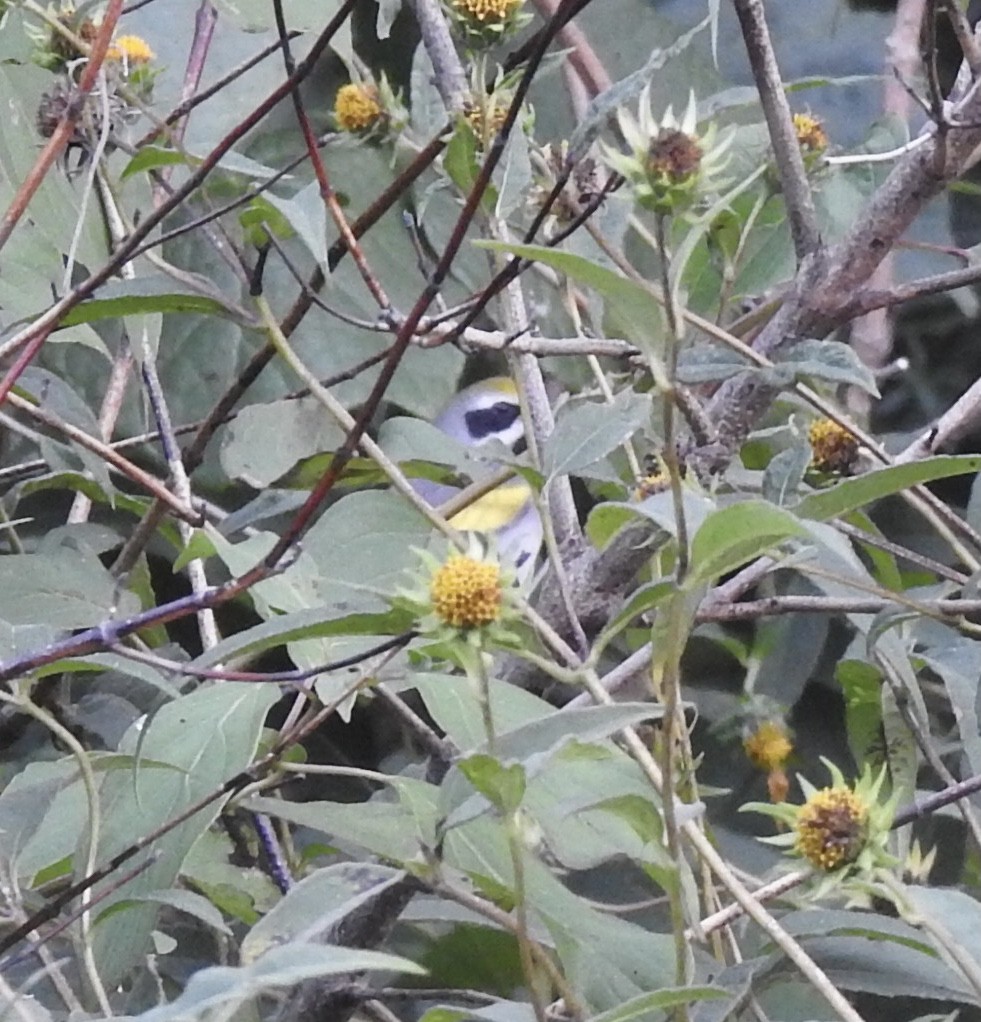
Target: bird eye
pixel 483 423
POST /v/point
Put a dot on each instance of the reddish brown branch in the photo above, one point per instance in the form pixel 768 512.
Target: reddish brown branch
pixel 65 127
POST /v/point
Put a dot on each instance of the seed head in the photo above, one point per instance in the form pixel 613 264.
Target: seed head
pixel 834 449
pixel 831 828
pixel 674 157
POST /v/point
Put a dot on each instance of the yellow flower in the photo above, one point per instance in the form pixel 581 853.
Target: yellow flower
pixel 467 593
pixel 834 449
pixel 769 746
pixel 831 828
pixel 486 11
pixel 131 48
pixel 356 107
pixel 811 135
pixel 654 482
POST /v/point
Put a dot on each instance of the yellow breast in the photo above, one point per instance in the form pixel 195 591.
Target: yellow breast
pixel 495 509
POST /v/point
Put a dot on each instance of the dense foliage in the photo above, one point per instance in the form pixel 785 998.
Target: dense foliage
pixel 277 740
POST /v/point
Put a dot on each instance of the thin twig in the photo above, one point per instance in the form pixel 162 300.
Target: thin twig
pixel 773 98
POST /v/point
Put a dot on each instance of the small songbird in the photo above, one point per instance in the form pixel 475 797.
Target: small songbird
pixel 482 412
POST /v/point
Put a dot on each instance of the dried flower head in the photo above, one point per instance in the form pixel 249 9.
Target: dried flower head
pixel 61 47
pixel 54 105
pixel 834 449
pixel 838 826
pixel 669 166
pixel 674 156
pixel 357 107
pixel 831 828
pixel 467 593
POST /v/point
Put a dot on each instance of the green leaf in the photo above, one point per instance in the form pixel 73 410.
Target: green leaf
pixel 209 735
pixel 850 494
pixel 586 431
pixel 833 361
pixel 658 508
pixel 631 309
pixel 221 986
pixel 146 295
pixel 320 904
pixel 638 812
pixel 183 901
pixel 503 786
pixel 313 623
pixel 460 160
pixel 265 441
pixel 150 157
pixel 452 702
pixel 711 363
pixel 729 538
pixel 642 1005
pixel 958 912
pixel 644 599
pixel 63 588
pixel 199 547
pixel 534 745
pixel 785 473
pixel 389 830
pixel 306 213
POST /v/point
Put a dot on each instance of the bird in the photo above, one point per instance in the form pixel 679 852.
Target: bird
pixel 485 411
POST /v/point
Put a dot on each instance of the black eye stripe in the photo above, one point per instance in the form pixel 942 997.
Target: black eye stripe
pixel 485 422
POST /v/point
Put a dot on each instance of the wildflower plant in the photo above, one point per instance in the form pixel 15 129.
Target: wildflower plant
pixel 839 830
pixel 298 279
pixel 464 599
pixel 669 166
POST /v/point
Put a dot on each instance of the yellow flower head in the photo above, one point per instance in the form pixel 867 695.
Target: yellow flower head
pixel 467 593
pixel 357 107
pixel 486 11
pixel 811 136
pixel 657 481
pixel 130 48
pixel 831 828
pixel 769 746
pixel 834 449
